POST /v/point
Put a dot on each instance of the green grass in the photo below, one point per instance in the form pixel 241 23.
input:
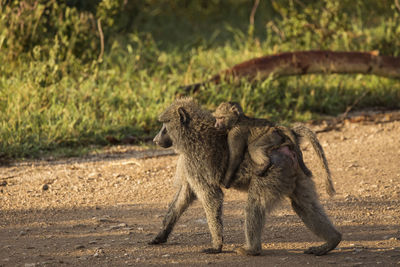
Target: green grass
pixel 66 106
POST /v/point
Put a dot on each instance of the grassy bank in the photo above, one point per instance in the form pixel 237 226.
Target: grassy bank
pixel 57 99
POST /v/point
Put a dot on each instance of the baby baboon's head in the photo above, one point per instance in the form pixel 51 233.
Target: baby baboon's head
pixel 227 115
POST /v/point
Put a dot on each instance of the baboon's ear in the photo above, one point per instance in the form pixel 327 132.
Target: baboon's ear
pixel 183 116
pixel 235 110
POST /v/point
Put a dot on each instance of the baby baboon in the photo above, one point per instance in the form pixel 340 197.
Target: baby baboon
pixel 203 159
pixel 260 137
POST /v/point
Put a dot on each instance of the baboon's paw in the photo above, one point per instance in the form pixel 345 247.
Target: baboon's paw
pixel 247 252
pixel 157 240
pixel 262 171
pixel 212 250
pixel 226 184
pixel 320 250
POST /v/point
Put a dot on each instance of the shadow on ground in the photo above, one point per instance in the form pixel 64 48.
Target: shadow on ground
pixel 118 235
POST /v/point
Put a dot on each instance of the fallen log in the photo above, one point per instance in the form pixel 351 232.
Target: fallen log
pixel 307 62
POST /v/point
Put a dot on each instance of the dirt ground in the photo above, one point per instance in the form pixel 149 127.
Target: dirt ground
pixel 102 210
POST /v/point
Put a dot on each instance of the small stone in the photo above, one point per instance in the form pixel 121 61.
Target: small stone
pixel 3 183
pixel 79 246
pixel 105 220
pixel 80 225
pixel 98 252
pixel 201 221
pixel 45 187
pixel 92 242
pixel 22 233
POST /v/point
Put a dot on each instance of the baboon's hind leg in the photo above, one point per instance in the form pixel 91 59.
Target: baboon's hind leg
pixel 212 200
pixel 183 198
pixel 255 220
pixel 306 204
pixel 263 195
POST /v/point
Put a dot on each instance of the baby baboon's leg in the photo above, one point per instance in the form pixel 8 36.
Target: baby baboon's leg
pixel 306 204
pixel 183 198
pixel 258 152
pixel 212 199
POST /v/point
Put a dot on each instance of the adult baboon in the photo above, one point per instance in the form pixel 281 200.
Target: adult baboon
pixel 260 137
pixel 203 157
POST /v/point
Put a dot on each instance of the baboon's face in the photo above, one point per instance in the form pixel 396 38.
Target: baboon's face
pixel 174 120
pixel 222 123
pixel 226 116
pixel 163 139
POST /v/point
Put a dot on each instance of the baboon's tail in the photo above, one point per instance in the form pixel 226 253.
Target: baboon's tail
pixel 303 131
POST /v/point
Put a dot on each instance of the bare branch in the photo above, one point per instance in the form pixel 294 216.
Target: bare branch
pixel 253 11
pixel 101 40
pixel 397 4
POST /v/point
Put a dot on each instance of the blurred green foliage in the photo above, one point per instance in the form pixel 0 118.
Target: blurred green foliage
pixel 60 92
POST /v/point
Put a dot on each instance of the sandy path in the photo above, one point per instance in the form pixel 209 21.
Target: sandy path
pixel 102 210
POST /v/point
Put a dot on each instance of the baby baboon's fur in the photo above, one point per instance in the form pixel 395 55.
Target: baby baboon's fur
pixel 260 137
pixel 203 159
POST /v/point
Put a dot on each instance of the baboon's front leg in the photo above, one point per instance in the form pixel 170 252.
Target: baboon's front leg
pixel 183 198
pixel 305 203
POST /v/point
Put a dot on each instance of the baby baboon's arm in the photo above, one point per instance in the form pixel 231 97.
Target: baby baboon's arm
pixel 237 146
